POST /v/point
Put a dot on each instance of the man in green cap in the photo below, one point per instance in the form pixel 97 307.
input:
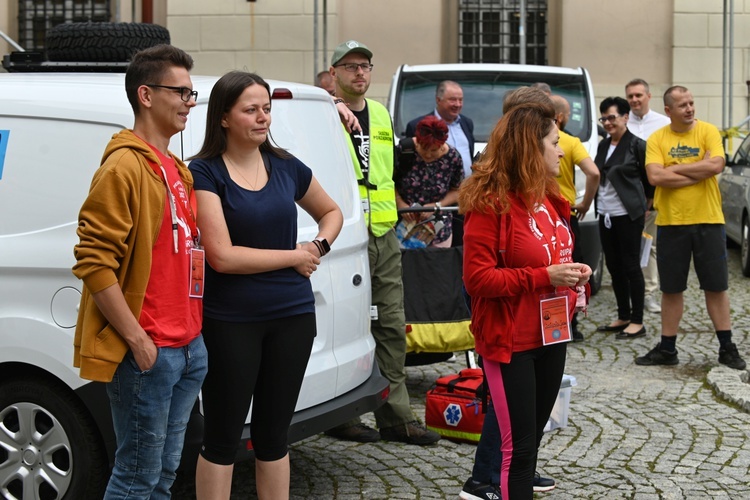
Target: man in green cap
pixel 372 153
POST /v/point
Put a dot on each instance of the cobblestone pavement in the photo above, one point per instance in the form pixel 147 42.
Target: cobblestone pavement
pixel 633 432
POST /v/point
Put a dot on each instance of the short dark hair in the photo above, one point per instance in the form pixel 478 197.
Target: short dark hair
pixel 638 81
pixel 149 66
pixel 623 108
pixel 224 95
pixel 668 101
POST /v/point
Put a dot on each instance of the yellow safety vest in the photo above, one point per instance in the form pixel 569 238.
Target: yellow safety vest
pixel 378 192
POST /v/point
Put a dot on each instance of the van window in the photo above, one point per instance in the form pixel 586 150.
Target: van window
pixel 47 171
pixel 483 97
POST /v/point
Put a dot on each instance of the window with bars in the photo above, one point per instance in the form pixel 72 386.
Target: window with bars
pixel 35 17
pixel 489 31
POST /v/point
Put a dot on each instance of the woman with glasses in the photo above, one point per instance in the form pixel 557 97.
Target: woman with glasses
pixel 259 309
pixel 429 173
pixel 622 200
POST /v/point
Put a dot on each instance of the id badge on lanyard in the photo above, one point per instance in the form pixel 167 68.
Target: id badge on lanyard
pixel 553 307
pixel 197 254
pixel 553 311
pixel 197 272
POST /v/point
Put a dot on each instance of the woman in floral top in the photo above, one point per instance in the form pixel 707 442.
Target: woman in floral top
pixel 434 177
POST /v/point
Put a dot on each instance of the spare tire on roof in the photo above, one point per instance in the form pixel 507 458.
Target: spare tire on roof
pixel 102 42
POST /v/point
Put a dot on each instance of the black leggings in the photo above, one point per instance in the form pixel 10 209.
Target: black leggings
pixel 524 392
pixel 263 361
pixel 621 244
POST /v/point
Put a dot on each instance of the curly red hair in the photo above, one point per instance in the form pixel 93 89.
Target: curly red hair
pixel 431 132
pixel 513 162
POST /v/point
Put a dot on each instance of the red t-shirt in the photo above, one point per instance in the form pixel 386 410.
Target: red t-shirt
pixel 169 315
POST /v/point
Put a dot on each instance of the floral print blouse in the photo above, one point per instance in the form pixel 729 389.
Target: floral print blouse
pixel 429 182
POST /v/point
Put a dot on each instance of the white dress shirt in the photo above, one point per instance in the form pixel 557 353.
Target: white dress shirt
pixel 650 123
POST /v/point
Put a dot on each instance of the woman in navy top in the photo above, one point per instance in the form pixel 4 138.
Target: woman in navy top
pixel 259 309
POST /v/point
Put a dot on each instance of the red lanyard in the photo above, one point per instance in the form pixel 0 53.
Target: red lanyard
pixel 172 197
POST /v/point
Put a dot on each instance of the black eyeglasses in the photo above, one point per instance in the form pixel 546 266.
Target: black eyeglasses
pixel 185 93
pixel 352 67
pixel 609 118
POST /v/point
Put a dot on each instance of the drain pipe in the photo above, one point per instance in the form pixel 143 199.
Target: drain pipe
pixel 315 40
pixel 731 61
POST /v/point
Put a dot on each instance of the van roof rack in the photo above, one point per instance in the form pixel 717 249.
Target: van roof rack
pixel 30 62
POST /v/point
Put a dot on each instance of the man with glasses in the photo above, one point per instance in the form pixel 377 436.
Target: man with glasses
pixel 371 149
pixel 682 161
pixel 449 101
pixel 140 318
pixel 642 122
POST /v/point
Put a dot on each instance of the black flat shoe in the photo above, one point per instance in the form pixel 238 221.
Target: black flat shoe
pixel 625 336
pixel 610 329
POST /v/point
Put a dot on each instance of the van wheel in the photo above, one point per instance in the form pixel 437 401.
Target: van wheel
pixel 102 42
pixel 49 446
pixel 745 247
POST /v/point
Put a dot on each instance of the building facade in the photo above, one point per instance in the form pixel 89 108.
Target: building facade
pixel 665 43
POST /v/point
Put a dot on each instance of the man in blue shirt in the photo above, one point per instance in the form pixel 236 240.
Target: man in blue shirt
pixel 449 100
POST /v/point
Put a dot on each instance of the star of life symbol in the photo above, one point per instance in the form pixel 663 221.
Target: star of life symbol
pixel 452 414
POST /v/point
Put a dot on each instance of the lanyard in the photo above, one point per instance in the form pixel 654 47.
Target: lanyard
pixel 173 212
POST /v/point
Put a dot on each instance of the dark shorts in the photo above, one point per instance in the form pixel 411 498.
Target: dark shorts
pixel 705 243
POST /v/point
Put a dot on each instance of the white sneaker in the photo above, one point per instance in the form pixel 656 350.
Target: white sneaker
pixel 651 305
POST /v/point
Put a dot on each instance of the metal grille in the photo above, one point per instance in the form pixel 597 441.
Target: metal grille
pixel 35 17
pixel 488 31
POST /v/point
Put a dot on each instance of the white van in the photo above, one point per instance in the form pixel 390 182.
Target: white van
pixel 56 437
pixel 412 94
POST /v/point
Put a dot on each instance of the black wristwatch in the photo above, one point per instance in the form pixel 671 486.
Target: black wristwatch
pixel 322 245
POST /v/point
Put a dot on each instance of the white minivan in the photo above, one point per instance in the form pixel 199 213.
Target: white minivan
pixel 56 438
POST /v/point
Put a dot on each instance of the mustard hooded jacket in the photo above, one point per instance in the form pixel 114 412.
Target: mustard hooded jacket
pixel 117 227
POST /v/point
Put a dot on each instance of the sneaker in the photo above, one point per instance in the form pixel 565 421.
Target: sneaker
pixel 411 433
pixel 651 305
pixel 658 357
pixel 577 336
pixel 543 483
pixel 359 433
pixel 729 356
pixel 474 490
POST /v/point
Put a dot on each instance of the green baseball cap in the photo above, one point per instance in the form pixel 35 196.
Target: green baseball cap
pixel 347 48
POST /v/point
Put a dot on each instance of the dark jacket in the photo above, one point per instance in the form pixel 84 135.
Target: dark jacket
pixel 626 170
pixel 464 121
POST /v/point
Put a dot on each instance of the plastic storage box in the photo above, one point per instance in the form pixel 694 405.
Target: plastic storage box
pixel 559 416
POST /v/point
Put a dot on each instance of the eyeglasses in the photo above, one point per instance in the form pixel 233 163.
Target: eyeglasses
pixel 185 93
pixel 352 67
pixel 609 118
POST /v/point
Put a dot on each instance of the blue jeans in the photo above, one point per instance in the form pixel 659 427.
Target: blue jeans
pixel 150 412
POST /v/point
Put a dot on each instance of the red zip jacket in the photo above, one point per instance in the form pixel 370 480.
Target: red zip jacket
pixel 505 273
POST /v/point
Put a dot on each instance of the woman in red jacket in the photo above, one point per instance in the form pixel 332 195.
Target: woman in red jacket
pixel 519 271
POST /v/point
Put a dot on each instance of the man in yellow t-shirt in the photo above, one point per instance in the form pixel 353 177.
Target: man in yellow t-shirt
pixel 682 161
pixel 575 154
